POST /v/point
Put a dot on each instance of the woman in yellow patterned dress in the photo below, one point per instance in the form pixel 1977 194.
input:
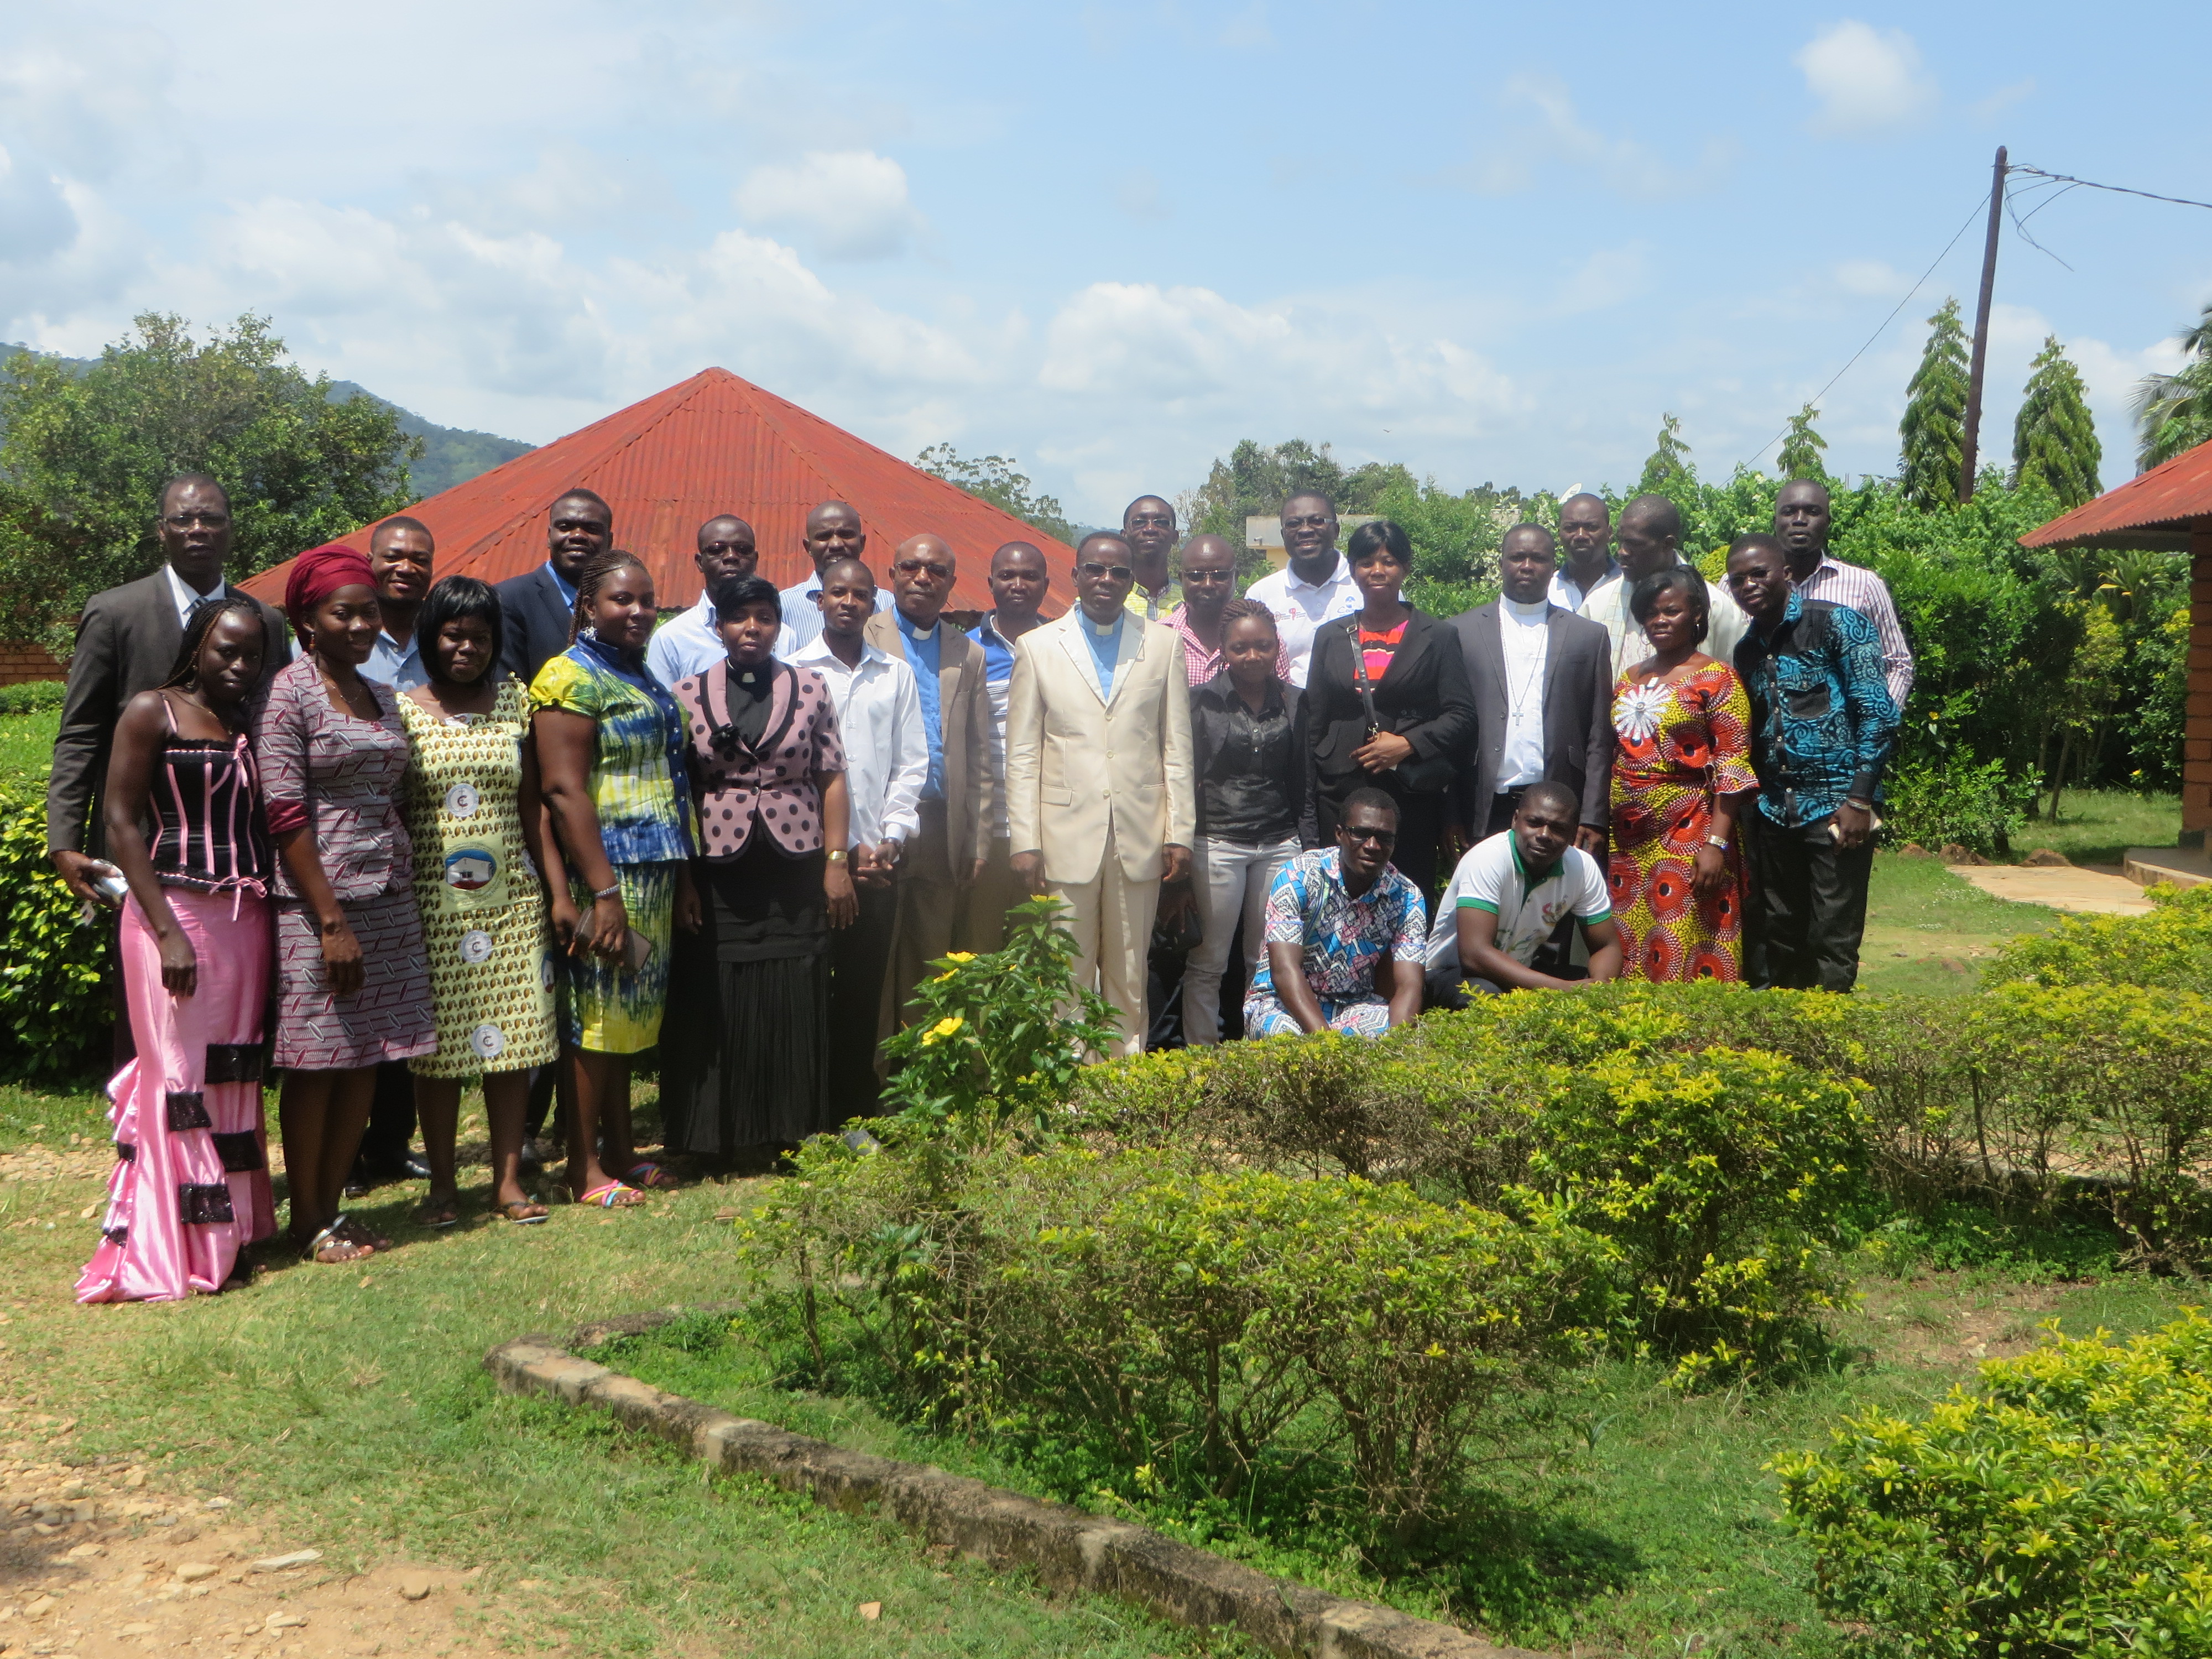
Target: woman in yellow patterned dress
pixel 1682 774
pixel 472 806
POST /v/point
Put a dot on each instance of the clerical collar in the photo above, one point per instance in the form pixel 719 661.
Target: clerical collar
pixel 1526 613
pixel 1102 630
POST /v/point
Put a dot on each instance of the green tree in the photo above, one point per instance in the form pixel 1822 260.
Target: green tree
pixel 88 447
pixel 1800 448
pixel 1669 462
pixel 2173 413
pixel 1256 479
pixel 999 480
pixel 1934 424
pixel 2054 441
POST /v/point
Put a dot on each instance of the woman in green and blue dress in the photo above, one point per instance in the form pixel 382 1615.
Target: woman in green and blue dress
pixel 610 744
pixel 472 809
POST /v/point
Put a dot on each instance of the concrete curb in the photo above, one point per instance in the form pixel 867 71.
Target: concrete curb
pixel 1067 1548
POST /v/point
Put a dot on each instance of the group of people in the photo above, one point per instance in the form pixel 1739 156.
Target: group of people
pixel 411 831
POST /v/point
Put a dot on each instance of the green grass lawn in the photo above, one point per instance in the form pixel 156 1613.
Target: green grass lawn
pixel 1928 932
pixel 2097 826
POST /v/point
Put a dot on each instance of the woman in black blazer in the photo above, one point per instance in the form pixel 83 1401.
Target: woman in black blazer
pixel 1410 728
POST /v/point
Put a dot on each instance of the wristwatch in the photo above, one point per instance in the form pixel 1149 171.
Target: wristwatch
pixel 1715 840
pixel 836 856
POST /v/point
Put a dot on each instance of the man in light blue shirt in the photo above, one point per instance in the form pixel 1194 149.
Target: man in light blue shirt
pixel 833 531
pixel 400 551
pixel 686 643
pixel 1018 582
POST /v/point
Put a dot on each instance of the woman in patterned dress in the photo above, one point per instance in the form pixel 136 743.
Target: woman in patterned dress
pixel 473 810
pixel 352 983
pixel 1682 774
pixel 610 762
pixel 191 1186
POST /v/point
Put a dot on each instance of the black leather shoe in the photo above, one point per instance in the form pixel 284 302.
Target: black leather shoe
pixel 412 1167
pixel 531 1161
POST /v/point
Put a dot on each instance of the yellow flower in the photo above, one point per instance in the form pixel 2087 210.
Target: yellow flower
pixel 944 1028
pixel 961 956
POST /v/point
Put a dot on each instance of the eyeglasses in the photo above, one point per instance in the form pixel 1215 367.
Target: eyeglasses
pixel 1206 578
pixel 186 520
pixel 1381 837
pixel 728 547
pixel 1094 570
pixel 916 568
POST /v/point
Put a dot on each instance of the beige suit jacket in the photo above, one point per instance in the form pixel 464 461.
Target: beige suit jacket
pixel 964 712
pixel 1078 765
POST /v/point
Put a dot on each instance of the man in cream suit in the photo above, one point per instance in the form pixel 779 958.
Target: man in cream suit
pixel 1099 800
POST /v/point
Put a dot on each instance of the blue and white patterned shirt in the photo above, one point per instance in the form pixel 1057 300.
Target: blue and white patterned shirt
pixel 1822 722
pixel 1343 937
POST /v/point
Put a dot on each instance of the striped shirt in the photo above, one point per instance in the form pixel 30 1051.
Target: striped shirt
pixel 1859 589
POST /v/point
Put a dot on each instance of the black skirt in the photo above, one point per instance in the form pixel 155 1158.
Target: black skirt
pixel 745 1045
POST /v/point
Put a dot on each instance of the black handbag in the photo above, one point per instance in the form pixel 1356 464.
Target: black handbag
pixel 1432 776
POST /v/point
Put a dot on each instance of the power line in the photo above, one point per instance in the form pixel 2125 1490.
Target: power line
pixel 1886 322
pixel 2118 190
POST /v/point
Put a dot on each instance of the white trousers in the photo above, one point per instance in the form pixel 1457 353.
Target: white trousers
pixel 1111 918
pixel 1232 879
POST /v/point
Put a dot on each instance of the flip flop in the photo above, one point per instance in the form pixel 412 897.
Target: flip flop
pixel 330 1239
pixel 650 1177
pixel 438 1214
pixel 354 1233
pixel 614 1196
pixel 533 1212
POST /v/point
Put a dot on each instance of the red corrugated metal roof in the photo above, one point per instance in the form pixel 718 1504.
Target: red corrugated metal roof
pixel 2165 498
pixel 714 444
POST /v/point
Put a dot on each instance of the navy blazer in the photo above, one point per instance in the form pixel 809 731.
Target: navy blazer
pixel 535 618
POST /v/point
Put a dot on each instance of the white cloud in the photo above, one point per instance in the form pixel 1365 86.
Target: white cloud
pixel 1558 133
pixel 1868 83
pixel 1985 110
pixel 1604 280
pixel 850 204
pixel 1872 279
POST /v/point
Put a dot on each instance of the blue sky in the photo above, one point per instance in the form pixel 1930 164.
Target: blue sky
pixel 1493 242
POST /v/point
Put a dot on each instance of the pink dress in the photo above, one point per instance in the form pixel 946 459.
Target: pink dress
pixel 190 1189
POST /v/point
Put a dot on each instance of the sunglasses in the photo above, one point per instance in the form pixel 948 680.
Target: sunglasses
pixel 1094 570
pixel 1381 837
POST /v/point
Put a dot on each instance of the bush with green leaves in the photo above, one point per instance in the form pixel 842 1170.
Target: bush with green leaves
pixel 2170 949
pixel 2063 1509
pixel 1219 1333
pixel 55 1010
pixel 31 697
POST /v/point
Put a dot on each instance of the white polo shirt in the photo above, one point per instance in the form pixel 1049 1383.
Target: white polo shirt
pixel 1491 877
pixel 1301 608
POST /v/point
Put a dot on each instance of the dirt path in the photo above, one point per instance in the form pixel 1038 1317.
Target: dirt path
pixel 98 1563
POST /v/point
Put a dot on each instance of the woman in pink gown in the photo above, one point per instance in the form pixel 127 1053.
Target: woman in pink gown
pixel 191 1186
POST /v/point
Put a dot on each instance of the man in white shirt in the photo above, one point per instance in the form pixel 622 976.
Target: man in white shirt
pixel 1507 897
pixel 686 643
pixel 1586 540
pixel 833 531
pixel 1651 528
pixel 1315 587
pixel 400 551
pixel 1802 519
pixel 886 763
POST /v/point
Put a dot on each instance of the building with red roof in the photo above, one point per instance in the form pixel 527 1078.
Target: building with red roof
pixel 710 445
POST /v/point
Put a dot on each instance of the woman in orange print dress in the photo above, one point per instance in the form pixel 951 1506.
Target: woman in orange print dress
pixel 1681 771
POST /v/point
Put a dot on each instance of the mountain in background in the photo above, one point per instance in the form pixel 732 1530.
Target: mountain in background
pixel 451 455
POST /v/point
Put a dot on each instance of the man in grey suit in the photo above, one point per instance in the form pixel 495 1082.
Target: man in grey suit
pixel 1543 697
pixel 538 608
pixel 127 640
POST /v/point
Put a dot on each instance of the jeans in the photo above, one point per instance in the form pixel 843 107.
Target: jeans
pixel 1809 899
pixel 1232 879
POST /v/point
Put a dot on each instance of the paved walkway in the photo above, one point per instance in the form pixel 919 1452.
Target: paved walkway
pixel 2063 887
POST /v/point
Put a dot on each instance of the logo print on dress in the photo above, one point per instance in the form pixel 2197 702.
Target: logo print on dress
pixel 545 972
pixel 462 800
pixel 476 945
pixel 487 1041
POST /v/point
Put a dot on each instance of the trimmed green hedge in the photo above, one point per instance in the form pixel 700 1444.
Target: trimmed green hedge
pixel 55 1011
pixel 31 697
pixel 2063 1508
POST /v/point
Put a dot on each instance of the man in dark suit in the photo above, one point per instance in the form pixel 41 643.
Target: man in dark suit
pixel 1543 697
pixel 538 608
pixel 127 640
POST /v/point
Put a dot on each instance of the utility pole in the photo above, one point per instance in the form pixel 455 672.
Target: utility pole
pixel 1970 444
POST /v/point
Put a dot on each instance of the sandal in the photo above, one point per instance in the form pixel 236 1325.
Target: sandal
pixel 439 1214
pixel 353 1232
pixel 332 1249
pixel 614 1196
pixel 651 1178
pixel 525 1211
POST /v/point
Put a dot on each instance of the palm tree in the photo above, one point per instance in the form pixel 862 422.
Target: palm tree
pixel 2173 413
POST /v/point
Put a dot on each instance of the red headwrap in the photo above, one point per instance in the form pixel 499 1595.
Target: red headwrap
pixel 319 573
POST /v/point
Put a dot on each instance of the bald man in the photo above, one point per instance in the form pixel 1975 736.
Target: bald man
pixel 833 531
pixel 687 644
pixel 1209 582
pixel 1586 550
pixel 959 801
pixel 1148 526
pixel 1649 537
